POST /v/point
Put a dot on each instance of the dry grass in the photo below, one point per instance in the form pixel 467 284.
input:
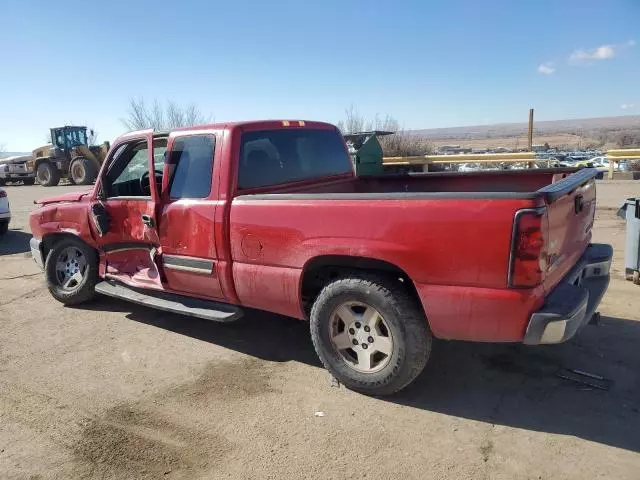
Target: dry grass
pixel 402 145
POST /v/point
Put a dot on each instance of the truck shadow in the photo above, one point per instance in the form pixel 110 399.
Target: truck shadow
pixel 518 386
pixel 14 241
pixel 501 384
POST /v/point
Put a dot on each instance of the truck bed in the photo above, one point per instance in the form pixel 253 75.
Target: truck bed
pixel 451 233
pixel 489 184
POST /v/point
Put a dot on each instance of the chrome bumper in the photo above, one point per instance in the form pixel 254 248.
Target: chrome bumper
pixel 36 253
pixel 574 300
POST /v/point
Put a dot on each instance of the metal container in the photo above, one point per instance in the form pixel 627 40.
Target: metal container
pixel 630 211
pixel 366 151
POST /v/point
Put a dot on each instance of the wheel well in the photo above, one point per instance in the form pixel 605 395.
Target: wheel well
pixel 42 160
pixel 322 270
pixel 50 240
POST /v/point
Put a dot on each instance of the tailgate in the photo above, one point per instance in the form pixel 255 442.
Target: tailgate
pixel 571 207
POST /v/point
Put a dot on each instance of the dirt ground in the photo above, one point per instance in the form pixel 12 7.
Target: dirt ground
pixel 111 390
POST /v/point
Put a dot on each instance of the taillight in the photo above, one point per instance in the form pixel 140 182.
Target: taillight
pixel 3 194
pixel 528 257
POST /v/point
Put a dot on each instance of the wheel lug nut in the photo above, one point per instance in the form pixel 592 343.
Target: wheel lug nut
pixel 352 331
pixel 355 342
pixel 370 339
pixel 365 346
pixel 366 328
pixel 357 324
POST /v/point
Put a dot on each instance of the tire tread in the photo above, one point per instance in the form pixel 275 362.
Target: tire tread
pixel 417 341
pixel 87 290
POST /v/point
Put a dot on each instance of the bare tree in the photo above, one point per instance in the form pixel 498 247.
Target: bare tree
pixel 628 139
pixel 171 115
pixel 353 121
pixel 401 144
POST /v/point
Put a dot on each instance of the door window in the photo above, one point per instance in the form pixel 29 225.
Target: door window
pixel 191 161
pixel 130 163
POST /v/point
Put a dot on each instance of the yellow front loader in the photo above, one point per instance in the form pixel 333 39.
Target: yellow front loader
pixel 70 156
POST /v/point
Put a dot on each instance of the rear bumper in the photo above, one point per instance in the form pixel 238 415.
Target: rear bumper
pixel 574 300
pixel 36 252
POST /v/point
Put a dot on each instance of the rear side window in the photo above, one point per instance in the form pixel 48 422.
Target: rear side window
pixel 191 161
pixel 272 157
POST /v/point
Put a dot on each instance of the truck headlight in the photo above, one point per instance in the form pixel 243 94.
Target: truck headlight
pixel 30 165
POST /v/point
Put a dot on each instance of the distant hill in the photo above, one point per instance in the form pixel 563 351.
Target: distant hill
pixel 583 126
pixel 13 154
pixel 579 133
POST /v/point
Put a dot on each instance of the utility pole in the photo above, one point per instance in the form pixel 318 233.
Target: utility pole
pixel 530 143
pixel 531 129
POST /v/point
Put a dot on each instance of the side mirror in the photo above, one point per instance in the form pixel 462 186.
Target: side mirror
pixel 100 218
pixel 101 195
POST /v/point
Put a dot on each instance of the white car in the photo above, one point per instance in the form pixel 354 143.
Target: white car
pixel 468 167
pixel 601 163
pixel 5 213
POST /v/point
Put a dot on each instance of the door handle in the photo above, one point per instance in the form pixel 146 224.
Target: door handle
pixel 147 220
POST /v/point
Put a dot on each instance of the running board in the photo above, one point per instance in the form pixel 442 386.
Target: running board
pixel 169 302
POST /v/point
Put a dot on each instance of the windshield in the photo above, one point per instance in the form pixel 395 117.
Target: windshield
pixel 272 157
pixel 76 137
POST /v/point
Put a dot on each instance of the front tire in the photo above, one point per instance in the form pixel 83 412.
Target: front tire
pixel 370 333
pixel 47 174
pixel 71 270
pixel 82 171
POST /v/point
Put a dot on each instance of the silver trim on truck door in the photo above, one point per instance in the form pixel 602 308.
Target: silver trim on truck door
pixel 188 264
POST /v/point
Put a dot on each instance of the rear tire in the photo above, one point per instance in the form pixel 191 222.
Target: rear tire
pixel 370 300
pixel 82 171
pixel 47 174
pixel 28 181
pixel 71 270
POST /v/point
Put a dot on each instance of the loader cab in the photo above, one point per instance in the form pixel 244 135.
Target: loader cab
pixel 68 137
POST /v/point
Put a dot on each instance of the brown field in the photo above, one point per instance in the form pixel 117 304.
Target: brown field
pixel 554 140
pixel 570 134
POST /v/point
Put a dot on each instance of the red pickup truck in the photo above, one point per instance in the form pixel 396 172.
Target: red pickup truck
pixel 269 215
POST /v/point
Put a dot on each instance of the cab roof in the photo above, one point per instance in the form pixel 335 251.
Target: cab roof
pixel 253 124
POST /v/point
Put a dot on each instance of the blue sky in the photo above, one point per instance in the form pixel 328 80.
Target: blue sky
pixel 428 63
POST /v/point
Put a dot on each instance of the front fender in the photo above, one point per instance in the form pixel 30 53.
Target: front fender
pixel 63 219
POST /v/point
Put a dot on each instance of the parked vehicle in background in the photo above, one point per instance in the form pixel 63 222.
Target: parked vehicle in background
pixel 469 167
pixel 599 163
pixel 270 215
pixel 599 159
pixel 16 169
pixel 5 211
